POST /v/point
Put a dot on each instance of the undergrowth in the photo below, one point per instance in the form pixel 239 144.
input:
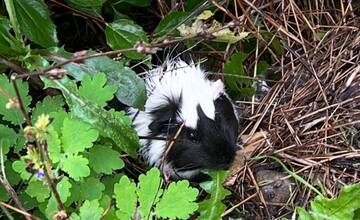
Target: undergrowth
pixel 66 152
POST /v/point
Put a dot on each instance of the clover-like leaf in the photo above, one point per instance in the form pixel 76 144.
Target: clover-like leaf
pixel 98 154
pixel 95 89
pixel 213 208
pixel 76 166
pixel 114 125
pixel 149 191
pixel 38 190
pixel 91 188
pixel 125 195
pixel 19 167
pixel 124 34
pixel 48 105
pixel 178 201
pixel 77 135
pixel 130 88
pixel 90 210
pixel 7 92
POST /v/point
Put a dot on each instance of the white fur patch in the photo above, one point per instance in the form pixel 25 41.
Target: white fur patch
pixel 179 80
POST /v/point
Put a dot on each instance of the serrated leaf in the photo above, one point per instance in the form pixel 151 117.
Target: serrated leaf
pixel 7 139
pixel 343 207
pixel 130 88
pixel 54 145
pixel 35 23
pixel 76 166
pixel 91 188
pixel 109 182
pixel 77 135
pixel 124 34
pixel 95 90
pixel 90 210
pixel 38 190
pixel 48 105
pixel 13 115
pixel 178 201
pixel 19 167
pixel 125 195
pixel 9 45
pixel 170 21
pixel 58 119
pixel 213 208
pixel 98 154
pixel 114 125
pixel 149 191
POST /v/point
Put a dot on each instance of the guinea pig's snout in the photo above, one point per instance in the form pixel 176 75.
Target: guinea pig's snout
pixel 226 161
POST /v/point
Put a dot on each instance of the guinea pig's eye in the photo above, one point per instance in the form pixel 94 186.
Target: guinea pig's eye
pixel 191 135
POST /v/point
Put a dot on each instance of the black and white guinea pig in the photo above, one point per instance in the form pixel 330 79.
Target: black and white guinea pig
pixel 180 93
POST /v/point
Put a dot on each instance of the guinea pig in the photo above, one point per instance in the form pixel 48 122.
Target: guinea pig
pixel 183 103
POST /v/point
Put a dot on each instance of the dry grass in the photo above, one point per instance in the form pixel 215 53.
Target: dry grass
pixel 313 113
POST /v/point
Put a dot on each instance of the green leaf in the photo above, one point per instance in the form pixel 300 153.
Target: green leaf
pixel 178 201
pixel 98 154
pixel 124 34
pixel 95 90
pixel 114 125
pixel 7 139
pixel 149 191
pixel 38 190
pixel 125 195
pixel 19 167
pixel 9 45
pixel 76 166
pixel 138 3
pixel 109 182
pixel 4 196
pixel 54 145
pixel 130 88
pixel 48 105
pixel 91 188
pixel 90 210
pixel 170 21
pixel 77 135
pixel 35 23
pixel 213 208
pixel 7 91
pixel 58 119
pixel 88 3
pixel 12 176
pixel 343 207
pixel 303 214
pixel 262 66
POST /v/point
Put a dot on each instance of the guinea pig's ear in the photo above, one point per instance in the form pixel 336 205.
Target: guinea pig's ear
pixel 217 88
